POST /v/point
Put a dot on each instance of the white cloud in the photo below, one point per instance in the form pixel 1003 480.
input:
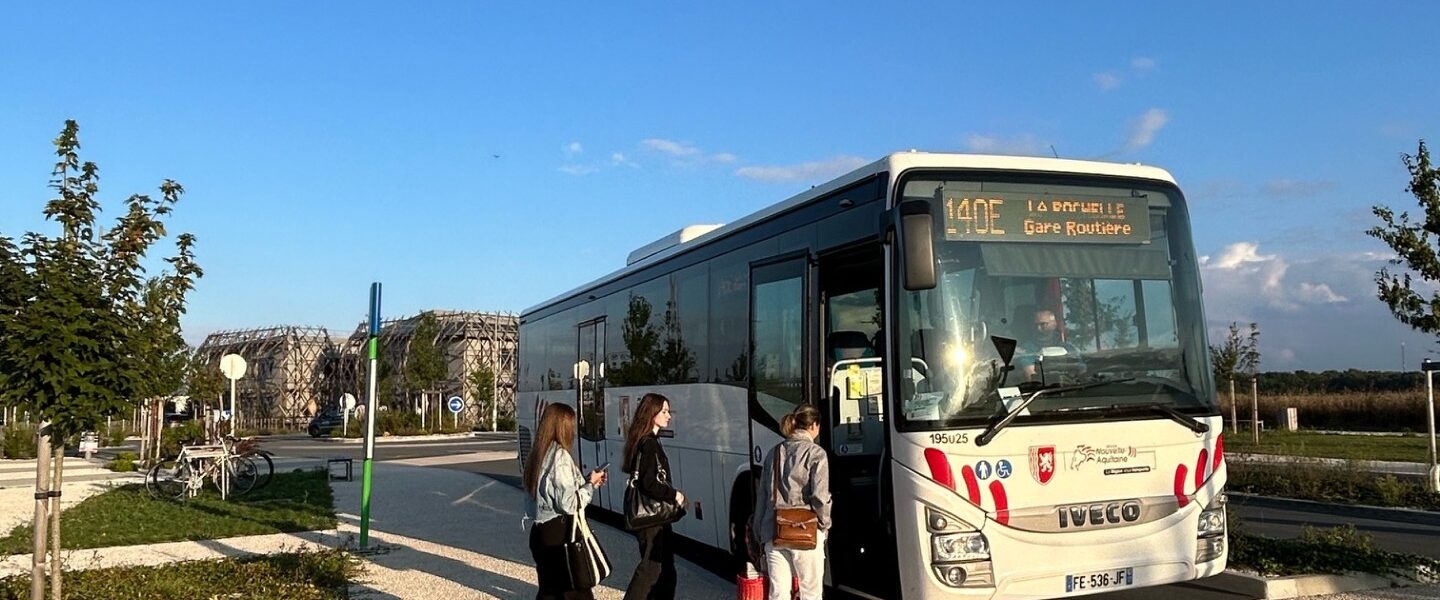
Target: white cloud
pixel 578 170
pixel 1107 80
pixel 1294 188
pixel 573 148
pixel 1142 63
pixel 1242 280
pixel 809 171
pixel 686 154
pixel 1315 311
pixel 1144 128
pixel 669 147
pixel 1313 293
pixel 1021 145
pixel 617 158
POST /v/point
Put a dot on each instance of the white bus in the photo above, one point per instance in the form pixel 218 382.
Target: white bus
pixel 1009 353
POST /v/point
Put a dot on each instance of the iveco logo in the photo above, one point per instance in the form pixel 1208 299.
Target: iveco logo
pixel 1097 515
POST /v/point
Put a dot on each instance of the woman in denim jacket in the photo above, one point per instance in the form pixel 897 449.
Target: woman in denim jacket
pixel 555 488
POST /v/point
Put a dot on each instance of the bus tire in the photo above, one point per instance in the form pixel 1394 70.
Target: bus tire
pixel 741 506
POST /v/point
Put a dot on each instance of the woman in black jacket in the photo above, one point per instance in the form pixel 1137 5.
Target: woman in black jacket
pixel 654 577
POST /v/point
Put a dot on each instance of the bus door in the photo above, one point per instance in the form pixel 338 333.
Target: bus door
pixel 861 548
pixel 590 399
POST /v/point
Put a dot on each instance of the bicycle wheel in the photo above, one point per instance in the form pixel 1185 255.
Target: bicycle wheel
pixel 243 475
pixel 266 466
pixel 169 480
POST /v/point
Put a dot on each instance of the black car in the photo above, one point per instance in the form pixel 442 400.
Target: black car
pixel 324 423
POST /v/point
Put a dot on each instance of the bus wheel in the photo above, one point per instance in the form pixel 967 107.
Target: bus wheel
pixel 740 509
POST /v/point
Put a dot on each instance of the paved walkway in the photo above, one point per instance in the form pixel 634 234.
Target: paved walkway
pixel 454 535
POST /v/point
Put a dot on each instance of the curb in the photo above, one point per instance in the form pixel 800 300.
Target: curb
pixel 1295 586
pixel 1360 511
pixel 1390 467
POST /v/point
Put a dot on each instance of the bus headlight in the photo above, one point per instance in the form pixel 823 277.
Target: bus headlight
pixel 1212 522
pixel 959 547
pixel 1212 519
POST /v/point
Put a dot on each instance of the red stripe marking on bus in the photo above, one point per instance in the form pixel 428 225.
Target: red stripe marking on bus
pixel 940 468
pixel 1002 502
pixel 1200 465
pixel 1219 452
pixel 972 485
pixel 1180 471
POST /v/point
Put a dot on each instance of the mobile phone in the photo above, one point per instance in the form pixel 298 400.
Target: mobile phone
pixel 602 468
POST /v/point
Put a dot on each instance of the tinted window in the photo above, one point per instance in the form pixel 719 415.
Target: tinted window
pixel 778 327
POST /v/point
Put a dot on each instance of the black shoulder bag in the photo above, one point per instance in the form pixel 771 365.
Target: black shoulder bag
pixel 642 511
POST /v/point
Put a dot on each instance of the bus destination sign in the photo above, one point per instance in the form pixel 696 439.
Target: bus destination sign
pixel 979 216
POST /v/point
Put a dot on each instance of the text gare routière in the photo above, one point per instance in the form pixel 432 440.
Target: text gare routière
pixel 1112 220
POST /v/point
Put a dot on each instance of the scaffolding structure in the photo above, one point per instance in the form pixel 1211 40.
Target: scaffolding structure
pixel 292 371
pixel 468 340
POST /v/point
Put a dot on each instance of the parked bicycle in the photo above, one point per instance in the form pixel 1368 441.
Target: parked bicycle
pixel 184 476
pixel 250 448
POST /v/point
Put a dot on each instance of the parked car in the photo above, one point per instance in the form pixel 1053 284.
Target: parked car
pixel 325 422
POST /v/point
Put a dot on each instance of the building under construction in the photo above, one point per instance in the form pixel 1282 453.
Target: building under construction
pixel 293 372
pixel 468 341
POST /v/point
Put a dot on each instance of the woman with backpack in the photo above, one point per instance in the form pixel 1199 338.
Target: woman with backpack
pixel 792 508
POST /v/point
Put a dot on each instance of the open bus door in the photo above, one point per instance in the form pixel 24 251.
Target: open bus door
pixel 861 548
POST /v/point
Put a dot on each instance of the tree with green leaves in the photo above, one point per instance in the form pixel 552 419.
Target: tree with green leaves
pixel 482 390
pixel 1415 245
pixel 203 382
pixel 425 365
pixel 1237 356
pixel 85 333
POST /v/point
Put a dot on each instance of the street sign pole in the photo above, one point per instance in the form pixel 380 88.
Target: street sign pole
pixel 1429 367
pixel 233 367
pixel 372 351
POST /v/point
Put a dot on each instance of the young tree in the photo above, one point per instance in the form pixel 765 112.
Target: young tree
pixel 482 386
pixel 424 361
pixel 1415 245
pixel 1237 356
pixel 84 333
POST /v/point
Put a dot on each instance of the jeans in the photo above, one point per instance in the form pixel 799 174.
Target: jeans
pixel 783 564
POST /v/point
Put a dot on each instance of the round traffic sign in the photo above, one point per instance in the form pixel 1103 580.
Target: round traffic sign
pixel 347 401
pixel 456 404
pixel 232 366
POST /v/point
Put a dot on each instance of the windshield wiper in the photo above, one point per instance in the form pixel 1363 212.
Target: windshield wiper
pixel 1192 423
pixel 995 427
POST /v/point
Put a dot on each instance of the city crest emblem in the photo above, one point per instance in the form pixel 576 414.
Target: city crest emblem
pixel 1042 463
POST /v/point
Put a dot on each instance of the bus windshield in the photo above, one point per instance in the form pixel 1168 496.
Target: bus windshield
pixel 1083 298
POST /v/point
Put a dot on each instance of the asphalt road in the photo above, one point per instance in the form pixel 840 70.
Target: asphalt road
pixel 494 455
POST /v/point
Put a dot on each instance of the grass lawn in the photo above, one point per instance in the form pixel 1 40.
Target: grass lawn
pixel 1322 445
pixel 127 515
pixel 299 576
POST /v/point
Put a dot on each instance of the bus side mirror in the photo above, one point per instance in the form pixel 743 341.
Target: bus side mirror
pixel 916 229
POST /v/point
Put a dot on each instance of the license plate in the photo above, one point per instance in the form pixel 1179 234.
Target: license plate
pixel 1100 580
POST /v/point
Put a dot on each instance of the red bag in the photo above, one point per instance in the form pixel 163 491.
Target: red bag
pixel 750 588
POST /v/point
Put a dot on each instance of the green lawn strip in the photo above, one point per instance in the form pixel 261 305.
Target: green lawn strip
pixel 322 575
pixel 1329 445
pixel 127 515
pixel 1335 484
pixel 1333 551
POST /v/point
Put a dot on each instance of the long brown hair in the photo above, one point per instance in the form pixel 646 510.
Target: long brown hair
pixel 557 427
pixel 643 425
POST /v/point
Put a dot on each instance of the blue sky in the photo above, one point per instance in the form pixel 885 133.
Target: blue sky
pixel 486 156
